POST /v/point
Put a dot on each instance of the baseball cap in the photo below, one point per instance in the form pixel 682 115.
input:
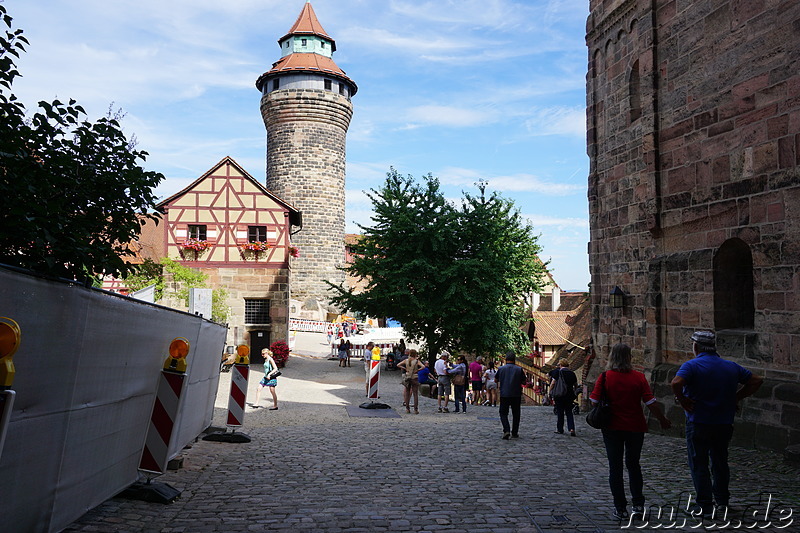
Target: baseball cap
pixel 705 338
pixel 444 353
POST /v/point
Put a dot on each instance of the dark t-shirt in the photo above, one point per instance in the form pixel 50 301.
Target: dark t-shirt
pixel 569 378
pixel 509 379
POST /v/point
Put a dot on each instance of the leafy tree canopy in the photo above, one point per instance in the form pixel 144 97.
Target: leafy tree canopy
pixel 452 275
pixel 72 194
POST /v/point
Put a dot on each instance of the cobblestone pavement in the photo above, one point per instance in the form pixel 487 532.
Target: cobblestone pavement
pixel 311 467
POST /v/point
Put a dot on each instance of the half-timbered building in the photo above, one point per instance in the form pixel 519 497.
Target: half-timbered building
pixel 229 226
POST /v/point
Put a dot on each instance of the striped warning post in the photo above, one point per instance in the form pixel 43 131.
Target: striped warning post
pixel 156 448
pixel 374 378
pixel 239 376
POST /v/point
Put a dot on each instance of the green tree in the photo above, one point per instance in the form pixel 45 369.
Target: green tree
pixel 454 277
pixel 496 266
pixel 152 273
pixel 72 194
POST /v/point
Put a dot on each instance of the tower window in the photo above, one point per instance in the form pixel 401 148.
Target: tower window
pixel 323 44
pixel 256 311
pixel 733 286
pixel 198 232
pixel 276 84
pixel 327 85
pixel 303 42
pixel 257 233
pixel 341 88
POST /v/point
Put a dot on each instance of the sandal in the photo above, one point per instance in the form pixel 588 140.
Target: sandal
pixel 273 408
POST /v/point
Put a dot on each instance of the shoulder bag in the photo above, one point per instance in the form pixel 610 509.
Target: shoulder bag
pixel 600 415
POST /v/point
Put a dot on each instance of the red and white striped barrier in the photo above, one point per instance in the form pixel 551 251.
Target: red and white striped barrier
pixel 239 376
pixel 319 326
pixel 156 447
pixel 155 455
pixel 374 376
pixel 357 350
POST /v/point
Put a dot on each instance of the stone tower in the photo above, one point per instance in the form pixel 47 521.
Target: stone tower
pixel 306 108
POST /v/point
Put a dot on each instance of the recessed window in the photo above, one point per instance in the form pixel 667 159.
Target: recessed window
pixel 327 85
pixel 198 232
pixel 341 88
pixel 303 42
pixel 733 286
pixel 323 44
pixel 256 311
pixel 257 233
pixel 276 84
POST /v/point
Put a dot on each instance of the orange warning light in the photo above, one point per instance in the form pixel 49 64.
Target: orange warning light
pixel 243 350
pixel 9 337
pixel 179 348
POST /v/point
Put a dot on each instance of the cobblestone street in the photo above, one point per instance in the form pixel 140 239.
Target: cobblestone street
pixel 310 466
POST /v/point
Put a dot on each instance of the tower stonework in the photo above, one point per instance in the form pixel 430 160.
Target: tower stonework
pixel 306 109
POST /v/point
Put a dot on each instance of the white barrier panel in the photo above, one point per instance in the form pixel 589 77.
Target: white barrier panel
pixel 86 376
pixel 299 324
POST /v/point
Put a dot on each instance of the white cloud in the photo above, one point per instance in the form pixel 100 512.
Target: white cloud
pixel 557 121
pixel 514 183
pixel 538 220
pixel 440 115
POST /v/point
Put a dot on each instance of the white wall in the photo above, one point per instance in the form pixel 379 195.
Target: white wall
pixel 86 375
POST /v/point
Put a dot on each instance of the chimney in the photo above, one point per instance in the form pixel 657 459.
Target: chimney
pixel 556 298
pixel 535 301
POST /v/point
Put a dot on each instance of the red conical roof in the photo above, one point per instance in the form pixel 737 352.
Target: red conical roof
pixel 308 24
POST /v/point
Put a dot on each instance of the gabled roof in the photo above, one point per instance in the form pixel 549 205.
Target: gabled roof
pixel 552 328
pixel 294 213
pixel 308 24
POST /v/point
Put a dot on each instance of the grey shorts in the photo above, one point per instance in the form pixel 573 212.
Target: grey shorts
pixel 444 386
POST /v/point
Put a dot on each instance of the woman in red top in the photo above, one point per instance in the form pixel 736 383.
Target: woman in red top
pixel 625 390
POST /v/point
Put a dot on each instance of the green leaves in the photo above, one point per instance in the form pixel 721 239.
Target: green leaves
pixel 452 275
pixel 72 193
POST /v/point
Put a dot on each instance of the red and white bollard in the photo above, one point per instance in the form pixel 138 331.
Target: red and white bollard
pixel 240 373
pixel 374 373
pixel 155 455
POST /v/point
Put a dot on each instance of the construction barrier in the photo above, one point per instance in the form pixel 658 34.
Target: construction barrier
pixel 240 374
pixel 155 454
pixel 374 375
pixel 316 326
pixel 359 350
pixel 86 380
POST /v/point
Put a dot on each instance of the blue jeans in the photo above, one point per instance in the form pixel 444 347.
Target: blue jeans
pixel 563 407
pixel 704 441
pixel 627 445
pixel 460 395
pixel 512 402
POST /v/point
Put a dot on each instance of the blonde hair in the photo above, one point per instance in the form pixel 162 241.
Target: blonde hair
pixel 620 358
pixel 266 351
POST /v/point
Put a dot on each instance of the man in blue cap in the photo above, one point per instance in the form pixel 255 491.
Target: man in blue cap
pixel 707 387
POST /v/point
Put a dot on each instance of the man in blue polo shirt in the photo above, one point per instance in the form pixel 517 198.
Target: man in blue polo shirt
pixel 707 387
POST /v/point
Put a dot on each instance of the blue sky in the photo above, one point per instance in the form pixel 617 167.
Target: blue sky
pixel 465 90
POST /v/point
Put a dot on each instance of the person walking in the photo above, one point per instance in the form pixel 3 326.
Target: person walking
pixel 476 369
pixel 443 380
pixel 459 378
pixel 510 379
pixel 490 385
pixel 266 381
pixel 625 389
pixel 411 366
pixel 706 388
pixel 329 333
pixel 562 390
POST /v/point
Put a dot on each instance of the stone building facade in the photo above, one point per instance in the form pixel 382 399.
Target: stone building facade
pixel 693 114
pixel 306 109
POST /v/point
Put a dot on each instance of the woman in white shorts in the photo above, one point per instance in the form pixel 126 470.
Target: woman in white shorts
pixel 490 384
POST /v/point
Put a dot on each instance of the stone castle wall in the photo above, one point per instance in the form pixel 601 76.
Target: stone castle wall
pixel 306 137
pixel 693 114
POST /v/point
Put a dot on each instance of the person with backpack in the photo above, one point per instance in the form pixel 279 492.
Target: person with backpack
pixel 562 391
